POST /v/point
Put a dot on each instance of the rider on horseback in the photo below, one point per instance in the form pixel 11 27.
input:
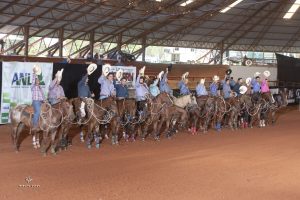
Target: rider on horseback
pixel 236 87
pixel 56 91
pixel 214 86
pixel 183 85
pixel 200 89
pixel 141 89
pixel 107 84
pixel 163 85
pixel 226 88
pixel 121 89
pixel 37 96
pixel 256 88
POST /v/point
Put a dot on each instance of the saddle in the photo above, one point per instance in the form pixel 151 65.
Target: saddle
pixel 29 110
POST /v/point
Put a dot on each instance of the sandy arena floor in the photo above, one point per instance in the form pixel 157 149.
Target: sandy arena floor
pixel 256 164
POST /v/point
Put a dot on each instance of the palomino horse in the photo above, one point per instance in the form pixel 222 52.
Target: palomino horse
pixel 183 101
pixel 127 114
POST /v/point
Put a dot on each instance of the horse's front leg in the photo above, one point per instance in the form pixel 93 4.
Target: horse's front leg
pixel 16 135
pixel 52 142
pixel 45 142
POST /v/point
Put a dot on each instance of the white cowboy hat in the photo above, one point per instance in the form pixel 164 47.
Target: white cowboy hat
pixel 185 75
pixel 106 69
pixel 202 80
pixel 248 81
pixel 91 68
pixel 160 75
pixel 37 70
pixel 58 74
pixel 243 89
pixel 142 70
pixel 267 73
pixel 256 74
pixel 119 74
pixel 216 78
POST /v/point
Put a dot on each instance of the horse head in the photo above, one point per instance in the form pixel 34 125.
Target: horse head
pixel 68 110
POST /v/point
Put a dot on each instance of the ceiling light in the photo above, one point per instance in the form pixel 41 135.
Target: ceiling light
pixel 230 6
pixel 292 10
pixel 186 2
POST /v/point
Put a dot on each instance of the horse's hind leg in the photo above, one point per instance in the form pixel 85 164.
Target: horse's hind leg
pixel 16 135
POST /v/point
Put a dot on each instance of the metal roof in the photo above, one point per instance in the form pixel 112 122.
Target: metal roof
pixel 252 25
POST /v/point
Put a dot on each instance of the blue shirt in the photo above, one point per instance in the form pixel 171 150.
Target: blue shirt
pixel 164 86
pixel 201 90
pixel 231 83
pixel 184 90
pixel 121 90
pixel 154 90
pixel 141 89
pixel 236 88
pixel 83 88
pixel 213 89
pixel 226 90
pixel 107 86
pixel 255 85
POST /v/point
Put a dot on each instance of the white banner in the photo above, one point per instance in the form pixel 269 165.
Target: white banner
pixel 129 72
pixel 16 84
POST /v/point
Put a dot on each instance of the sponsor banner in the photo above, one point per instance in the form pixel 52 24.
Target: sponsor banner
pixel 129 72
pixel 16 84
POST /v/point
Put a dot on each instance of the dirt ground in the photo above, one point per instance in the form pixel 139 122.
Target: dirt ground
pixel 256 164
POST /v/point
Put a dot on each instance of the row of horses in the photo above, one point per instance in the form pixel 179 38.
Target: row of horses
pixel 128 119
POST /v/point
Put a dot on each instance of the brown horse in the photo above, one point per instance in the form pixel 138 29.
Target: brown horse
pixel 152 113
pixel 127 115
pixel 50 120
pixel 101 112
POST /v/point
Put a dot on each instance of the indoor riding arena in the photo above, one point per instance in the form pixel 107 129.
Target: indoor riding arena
pixel 150 99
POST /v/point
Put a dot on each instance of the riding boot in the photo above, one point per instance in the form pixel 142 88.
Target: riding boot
pixel 81 136
pixel 263 123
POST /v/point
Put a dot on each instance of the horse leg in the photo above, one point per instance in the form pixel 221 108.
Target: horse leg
pixel 45 143
pixel 89 136
pixel 144 131
pixel 52 142
pixel 16 135
pixel 273 117
pixel 155 131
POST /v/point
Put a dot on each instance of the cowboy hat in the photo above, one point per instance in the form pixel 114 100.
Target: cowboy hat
pixel 228 71
pixel 243 89
pixel 91 68
pixel 58 74
pixel 202 80
pixel 216 78
pixel 185 75
pixel 248 81
pixel 160 75
pixel 37 69
pixel 256 74
pixel 267 73
pixel 142 70
pixel 106 69
pixel 119 74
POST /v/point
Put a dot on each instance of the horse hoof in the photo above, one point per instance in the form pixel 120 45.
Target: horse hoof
pixel 143 139
pixel 53 151
pixel 44 154
pixel 98 146
pixel 89 146
pixel 38 146
pixel 82 140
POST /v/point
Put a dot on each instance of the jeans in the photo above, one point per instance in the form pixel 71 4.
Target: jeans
pixel 37 110
pixel 53 101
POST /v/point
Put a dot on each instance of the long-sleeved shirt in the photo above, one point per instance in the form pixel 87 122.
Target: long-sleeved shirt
pixel 236 88
pixel 201 90
pixel 141 89
pixel 231 83
pixel 265 86
pixel 163 85
pixel 213 89
pixel 226 90
pixel 154 90
pixel 36 90
pixel 184 90
pixel 255 86
pixel 121 90
pixel 83 88
pixel 107 86
pixel 55 90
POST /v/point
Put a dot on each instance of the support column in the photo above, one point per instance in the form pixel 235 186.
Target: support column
pixel 119 42
pixel 61 41
pixel 26 40
pixel 222 52
pixel 144 49
pixel 92 42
